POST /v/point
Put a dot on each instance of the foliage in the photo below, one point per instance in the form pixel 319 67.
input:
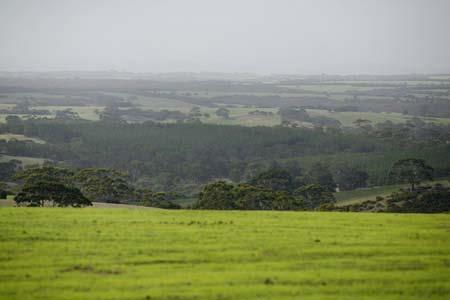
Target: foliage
pixel 221 195
pixel 217 195
pixel 104 185
pixel 45 173
pixel 320 174
pixel 350 178
pixel 37 193
pixel 421 200
pixel 411 170
pixel 160 199
pixel 259 198
pixel 8 169
pixel 223 112
pixel 175 157
pixel 276 179
pixel 315 195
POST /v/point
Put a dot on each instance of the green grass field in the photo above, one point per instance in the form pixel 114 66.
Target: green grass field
pixel 19 137
pixel 104 253
pixel 24 159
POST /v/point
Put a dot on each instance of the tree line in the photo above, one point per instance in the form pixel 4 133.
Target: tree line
pixel 181 157
pixel 274 189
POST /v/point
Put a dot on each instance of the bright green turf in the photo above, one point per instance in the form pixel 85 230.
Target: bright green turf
pixel 51 253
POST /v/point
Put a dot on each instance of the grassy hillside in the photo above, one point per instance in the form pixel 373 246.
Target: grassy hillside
pixel 24 159
pixel 364 194
pixel 51 253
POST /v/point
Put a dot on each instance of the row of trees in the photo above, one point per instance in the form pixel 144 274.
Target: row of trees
pixel 55 186
pixel 274 189
pixel 224 196
pixel 277 189
pixel 176 157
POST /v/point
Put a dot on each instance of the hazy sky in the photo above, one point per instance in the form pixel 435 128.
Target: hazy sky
pixel 273 36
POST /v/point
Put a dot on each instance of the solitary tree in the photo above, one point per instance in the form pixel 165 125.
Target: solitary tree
pixel 37 193
pixel 412 171
pixel 223 112
pixel 49 185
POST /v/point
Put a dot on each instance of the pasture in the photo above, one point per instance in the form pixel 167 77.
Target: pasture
pixel 388 97
pixel 105 253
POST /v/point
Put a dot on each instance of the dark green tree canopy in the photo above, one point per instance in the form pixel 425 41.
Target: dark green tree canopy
pixel 315 195
pixel 9 168
pixel 159 199
pixel 104 185
pixel 217 195
pixel 39 192
pixel 412 171
pixel 320 174
pixel 350 178
pixel 222 195
pixel 275 179
pixel 223 112
pixel 46 173
pixel 49 185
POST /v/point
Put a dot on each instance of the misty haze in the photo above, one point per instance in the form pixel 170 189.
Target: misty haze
pixel 272 149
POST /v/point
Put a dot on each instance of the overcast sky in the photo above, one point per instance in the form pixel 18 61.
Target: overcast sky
pixel 273 36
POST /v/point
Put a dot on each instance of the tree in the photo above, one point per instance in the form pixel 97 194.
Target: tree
pixel 49 184
pixel 319 174
pixel 37 193
pixel 217 195
pixel 104 185
pixel 223 112
pixel 14 124
pixel 294 114
pixel 221 195
pixel 275 179
pixel 252 197
pixel 315 195
pixel 67 114
pixel 350 178
pixel 46 173
pixel 363 124
pixel 285 201
pixel 195 112
pixel 111 113
pixel 160 199
pixel 412 171
pixel 9 168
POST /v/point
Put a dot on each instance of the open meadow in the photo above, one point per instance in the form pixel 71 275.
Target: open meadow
pixel 105 253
